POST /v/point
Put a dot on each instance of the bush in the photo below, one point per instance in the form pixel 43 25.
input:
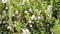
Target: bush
pixel 29 16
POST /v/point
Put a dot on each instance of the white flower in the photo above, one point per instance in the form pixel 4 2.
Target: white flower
pixel 30 25
pixel 29 21
pixel 8 27
pixel 52 33
pixel 6 8
pixel 25 11
pixel 33 16
pixel 37 9
pixel 39 17
pixel 30 9
pixel 49 8
pixel 40 11
pixel 25 31
pixel 4 1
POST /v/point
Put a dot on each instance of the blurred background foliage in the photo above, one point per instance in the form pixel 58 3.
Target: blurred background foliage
pixel 38 16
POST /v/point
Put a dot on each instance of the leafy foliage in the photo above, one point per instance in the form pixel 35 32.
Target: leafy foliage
pixel 38 16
